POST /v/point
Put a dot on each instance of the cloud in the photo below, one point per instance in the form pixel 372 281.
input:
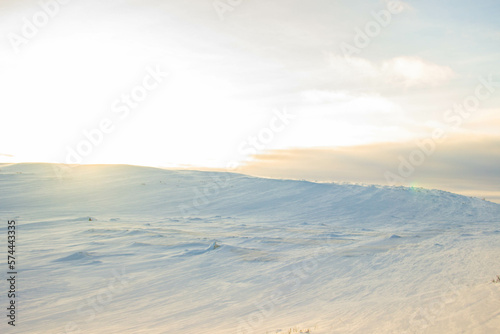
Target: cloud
pixel 406 6
pixel 350 69
pixel 468 166
pixel 406 71
pixel 350 106
pixel 352 102
pixel 413 71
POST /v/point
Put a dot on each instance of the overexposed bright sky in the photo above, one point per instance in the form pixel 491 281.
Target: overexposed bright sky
pixel 231 69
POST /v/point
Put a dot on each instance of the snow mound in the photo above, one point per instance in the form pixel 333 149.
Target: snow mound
pixel 228 253
pixel 78 256
pixel 213 245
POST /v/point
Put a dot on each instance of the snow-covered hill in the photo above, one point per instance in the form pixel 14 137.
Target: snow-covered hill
pixel 124 249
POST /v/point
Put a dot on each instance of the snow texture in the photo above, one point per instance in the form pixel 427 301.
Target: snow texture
pixel 124 249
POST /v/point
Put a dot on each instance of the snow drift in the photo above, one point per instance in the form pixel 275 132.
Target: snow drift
pixel 124 249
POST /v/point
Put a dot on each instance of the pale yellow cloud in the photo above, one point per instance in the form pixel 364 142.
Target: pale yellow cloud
pixel 413 71
pixel 406 71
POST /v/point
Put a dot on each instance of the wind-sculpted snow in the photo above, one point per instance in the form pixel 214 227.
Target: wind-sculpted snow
pixel 129 190
pixel 123 249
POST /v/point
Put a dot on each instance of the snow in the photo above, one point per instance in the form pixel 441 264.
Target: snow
pixel 126 249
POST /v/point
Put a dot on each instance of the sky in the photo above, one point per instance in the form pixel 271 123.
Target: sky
pixel 320 90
